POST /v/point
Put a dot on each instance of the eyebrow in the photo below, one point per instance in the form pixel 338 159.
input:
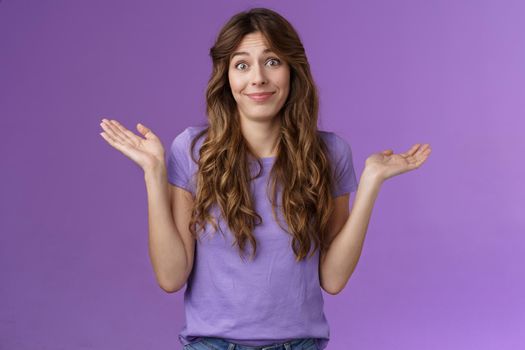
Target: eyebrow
pixel 239 53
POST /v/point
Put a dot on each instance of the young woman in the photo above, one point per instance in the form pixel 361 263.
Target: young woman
pixel 251 210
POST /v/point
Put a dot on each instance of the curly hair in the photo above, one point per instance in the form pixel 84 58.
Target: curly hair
pixel 301 171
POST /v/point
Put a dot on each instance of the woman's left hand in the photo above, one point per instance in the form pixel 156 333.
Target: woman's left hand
pixel 386 164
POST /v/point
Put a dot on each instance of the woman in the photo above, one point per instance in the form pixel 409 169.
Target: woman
pixel 275 187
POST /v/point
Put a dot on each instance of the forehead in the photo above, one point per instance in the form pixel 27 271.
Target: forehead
pixel 252 43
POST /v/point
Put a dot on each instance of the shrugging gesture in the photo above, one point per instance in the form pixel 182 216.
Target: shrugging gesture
pixel 338 264
pixel 386 164
pixel 146 151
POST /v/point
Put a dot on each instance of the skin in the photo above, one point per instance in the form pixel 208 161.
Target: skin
pixel 348 235
pixel 258 71
pixel 171 245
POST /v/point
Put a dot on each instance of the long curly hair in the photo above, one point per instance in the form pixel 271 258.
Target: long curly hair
pixel 301 171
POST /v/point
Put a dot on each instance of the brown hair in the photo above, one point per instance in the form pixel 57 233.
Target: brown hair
pixel 302 167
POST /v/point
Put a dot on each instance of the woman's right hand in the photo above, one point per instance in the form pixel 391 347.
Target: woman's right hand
pixel 147 152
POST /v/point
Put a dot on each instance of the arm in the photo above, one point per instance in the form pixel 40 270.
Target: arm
pixel 339 262
pixel 170 246
pixel 166 247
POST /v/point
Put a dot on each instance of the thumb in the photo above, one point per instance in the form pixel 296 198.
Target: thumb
pixel 145 131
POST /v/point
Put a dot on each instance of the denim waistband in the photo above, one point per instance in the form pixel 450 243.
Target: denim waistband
pixel 221 343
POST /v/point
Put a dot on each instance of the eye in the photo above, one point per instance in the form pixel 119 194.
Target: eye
pixel 239 64
pixel 278 62
pixel 243 65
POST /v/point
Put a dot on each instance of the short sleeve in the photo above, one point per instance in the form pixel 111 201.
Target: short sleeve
pixel 345 180
pixel 179 169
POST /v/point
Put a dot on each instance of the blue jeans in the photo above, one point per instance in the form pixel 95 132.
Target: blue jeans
pixel 209 343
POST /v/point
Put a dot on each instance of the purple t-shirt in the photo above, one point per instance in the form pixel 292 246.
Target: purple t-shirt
pixel 271 299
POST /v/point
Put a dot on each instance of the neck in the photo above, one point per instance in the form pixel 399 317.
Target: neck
pixel 262 136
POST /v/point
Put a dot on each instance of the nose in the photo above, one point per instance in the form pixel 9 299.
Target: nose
pixel 259 76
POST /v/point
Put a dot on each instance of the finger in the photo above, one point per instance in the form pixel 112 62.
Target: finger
pixel 112 141
pixel 418 149
pixel 142 129
pixel 411 151
pixel 145 131
pixel 122 137
pixel 112 131
pixel 423 148
pixel 412 162
pixel 131 137
pixel 425 154
pixel 422 151
pixel 422 157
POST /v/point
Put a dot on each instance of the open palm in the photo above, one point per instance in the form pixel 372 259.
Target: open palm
pixel 386 164
pixel 146 151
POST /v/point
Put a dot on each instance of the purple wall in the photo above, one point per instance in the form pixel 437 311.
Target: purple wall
pixel 443 262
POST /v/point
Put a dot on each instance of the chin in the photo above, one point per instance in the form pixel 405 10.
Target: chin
pixel 261 114
pixel 260 117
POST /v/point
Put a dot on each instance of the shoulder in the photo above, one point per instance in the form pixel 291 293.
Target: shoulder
pixel 340 154
pixel 189 133
pixel 182 141
pixel 181 164
pixel 337 146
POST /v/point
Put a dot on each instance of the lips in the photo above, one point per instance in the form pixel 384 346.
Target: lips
pixel 260 93
pixel 260 96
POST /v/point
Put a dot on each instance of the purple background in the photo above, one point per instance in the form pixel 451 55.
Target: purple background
pixel 443 261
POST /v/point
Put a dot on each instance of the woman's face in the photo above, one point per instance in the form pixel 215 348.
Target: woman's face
pixel 255 69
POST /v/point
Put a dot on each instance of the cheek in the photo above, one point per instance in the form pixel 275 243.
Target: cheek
pixel 284 80
pixel 285 85
pixel 232 81
pixel 235 84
